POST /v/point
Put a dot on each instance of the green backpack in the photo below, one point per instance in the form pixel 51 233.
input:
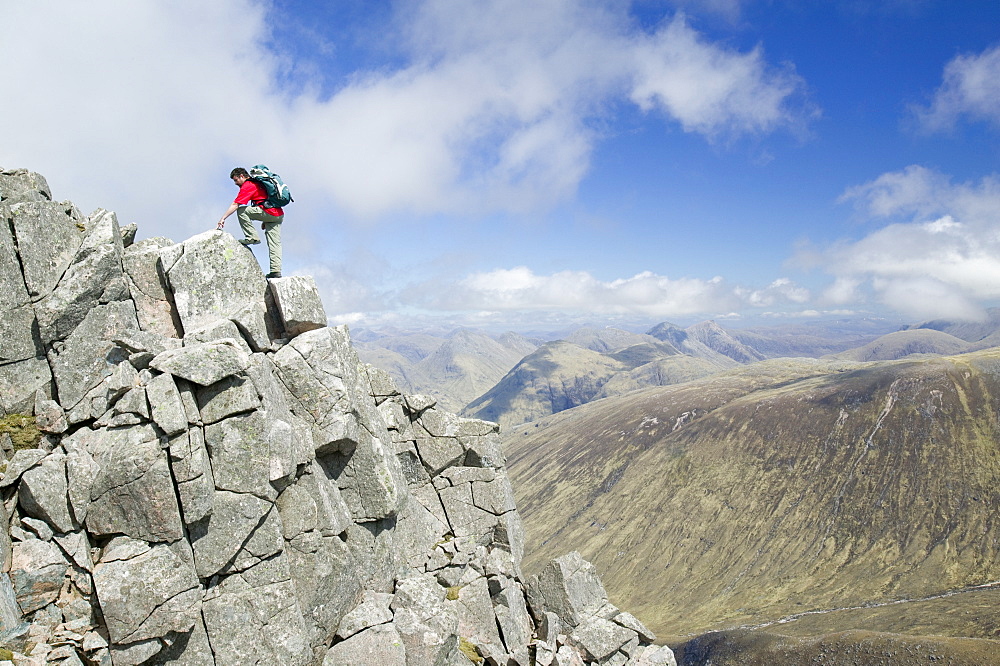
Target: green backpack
pixel 278 194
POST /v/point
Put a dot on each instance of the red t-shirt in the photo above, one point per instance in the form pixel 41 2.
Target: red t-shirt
pixel 253 194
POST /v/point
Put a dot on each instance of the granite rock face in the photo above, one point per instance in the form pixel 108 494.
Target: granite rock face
pixel 221 481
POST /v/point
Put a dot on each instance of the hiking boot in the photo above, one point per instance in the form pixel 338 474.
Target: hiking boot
pixel 271 276
pixel 244 241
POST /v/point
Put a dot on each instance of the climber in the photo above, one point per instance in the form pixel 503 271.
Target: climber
pixel 248 208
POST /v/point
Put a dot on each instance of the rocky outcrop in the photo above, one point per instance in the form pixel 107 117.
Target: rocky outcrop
pixel 221 481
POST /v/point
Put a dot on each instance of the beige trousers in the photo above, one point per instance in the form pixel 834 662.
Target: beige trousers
pixel 272 231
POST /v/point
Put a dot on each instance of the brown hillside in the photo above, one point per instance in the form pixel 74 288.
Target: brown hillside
pixel 784 487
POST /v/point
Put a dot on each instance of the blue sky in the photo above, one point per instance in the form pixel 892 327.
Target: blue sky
pixel 516 163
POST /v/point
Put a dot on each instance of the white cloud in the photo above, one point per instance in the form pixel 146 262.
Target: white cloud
pixel 781 290
pixel 943 261
pixel 143 107
pixel 970 87
pixel 708 89
pixel 646 294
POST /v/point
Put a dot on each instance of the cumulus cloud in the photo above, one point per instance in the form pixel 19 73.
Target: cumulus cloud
pixel 970 88
pixel 647 294
pixel 488 107
pixel 708 89
pixel 940 257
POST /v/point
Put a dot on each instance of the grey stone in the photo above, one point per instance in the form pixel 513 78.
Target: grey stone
pixel 76 546
pixel 43 493
pixel 135 402
pixel 5 542
pixel 568 586
pixel 299 304
pixel 23 460
pixel 211 277
pixel 147 596
pixel 81 470
pixel 313 502
pixel 38 527
pixel 568 655
pixel 49 415
pixel 328 580
pixel 193 474
pixel 427 625
pixel 465 518
pixel 154 303
pixel 512 615
pixel 380 644
pixel 190 402
pixel 232 395
pixel 241 531
pixel 254 618
pixel 191 649
pixel 48 236
pixel 439 423
pixel 496 496
pixel 38 569
pixel 629 621
pixel 18 338
pixel 20 381
pixel 23 185
pixel 421 525
pixel 203 364
pixel 654 655
pixel 418 403
pixel 476 619
pixel 128 233
pixel 373 610
pixel 99 400
pixel 10 612
pixel 134 654
pixel 88 355
pixel 220 329
pixel 132 491
pixel 321 371
pixel 438 453
pixel 484 450
pixel 239 448
pixel 167 408
pixel 601 638
pixel 145 341
pixel 94 277
pixel 254 325
pixel 292 443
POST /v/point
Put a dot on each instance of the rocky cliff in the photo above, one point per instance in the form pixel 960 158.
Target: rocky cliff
pixel 200 471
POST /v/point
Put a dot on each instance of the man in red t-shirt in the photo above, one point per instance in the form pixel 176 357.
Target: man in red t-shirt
pixel 248 209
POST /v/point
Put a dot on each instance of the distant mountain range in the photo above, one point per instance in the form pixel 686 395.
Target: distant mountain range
pixel 455 369
pixel 511 379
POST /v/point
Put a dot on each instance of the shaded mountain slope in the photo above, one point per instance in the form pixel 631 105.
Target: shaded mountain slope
pixel 847 648
pixel 607 339
pixel 468 364
pixel 561 375
pixel 557 376
pixel 782 487
pixel 970 331
pixel 455 369
pixel 901 344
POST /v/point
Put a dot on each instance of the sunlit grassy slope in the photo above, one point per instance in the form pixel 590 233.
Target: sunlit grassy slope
pixel 779 488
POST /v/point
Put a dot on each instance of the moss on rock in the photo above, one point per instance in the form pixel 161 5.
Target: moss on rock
pixel 23 431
